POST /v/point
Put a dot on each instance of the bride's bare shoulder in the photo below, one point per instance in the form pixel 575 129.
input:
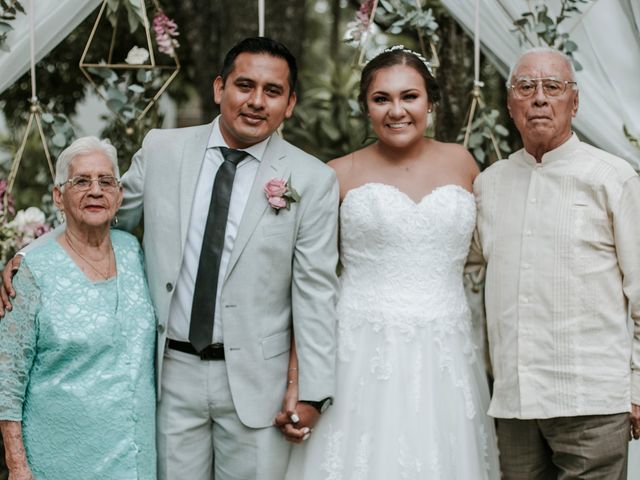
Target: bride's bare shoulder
pixel 345 165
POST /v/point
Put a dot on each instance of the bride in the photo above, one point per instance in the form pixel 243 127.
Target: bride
pixel 411 392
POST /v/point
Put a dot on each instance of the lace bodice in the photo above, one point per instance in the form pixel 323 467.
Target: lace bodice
pixel 404 258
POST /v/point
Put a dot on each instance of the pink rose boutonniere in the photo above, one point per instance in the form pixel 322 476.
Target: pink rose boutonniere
pixel 280 194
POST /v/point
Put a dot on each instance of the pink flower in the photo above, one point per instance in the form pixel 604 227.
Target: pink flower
pixel 276 187
pixel 280 194
pixel 165 30
pixel 3 193
pixel 277 202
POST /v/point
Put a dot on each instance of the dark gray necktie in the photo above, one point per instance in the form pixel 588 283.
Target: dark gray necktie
pixel 204 294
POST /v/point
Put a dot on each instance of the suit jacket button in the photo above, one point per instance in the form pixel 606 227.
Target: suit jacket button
pixel 169 287
pixel 160 328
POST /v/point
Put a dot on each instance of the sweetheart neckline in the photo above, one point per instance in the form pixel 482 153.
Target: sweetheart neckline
pixel 406 195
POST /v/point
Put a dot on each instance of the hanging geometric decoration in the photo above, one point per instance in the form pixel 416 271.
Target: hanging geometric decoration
pixel 484 126
pixel 413 17
pixel 131 85
pixel 35 114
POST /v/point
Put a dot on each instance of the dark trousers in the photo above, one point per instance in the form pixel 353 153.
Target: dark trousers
pixel 593 447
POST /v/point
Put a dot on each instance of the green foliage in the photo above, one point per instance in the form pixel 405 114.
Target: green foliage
pixel 8 12
pixel 327 122
pixel 134 9
pixel 633 140
pixel 546 28
pixel 127 92
pixel 402 15
pixel 484 125
pixel 127 139
pixel 58 130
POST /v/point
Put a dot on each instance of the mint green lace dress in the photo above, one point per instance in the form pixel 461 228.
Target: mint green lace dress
pixel 76 366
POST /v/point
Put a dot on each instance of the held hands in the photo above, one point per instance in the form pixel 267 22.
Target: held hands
pixel 6 290
pixel 297 423
pixel 296 419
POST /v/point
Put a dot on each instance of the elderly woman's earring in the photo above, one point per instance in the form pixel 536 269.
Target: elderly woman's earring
pixel 60 216
pixel 114 222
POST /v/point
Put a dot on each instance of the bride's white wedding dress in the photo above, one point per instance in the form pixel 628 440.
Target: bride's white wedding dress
pixel 412 394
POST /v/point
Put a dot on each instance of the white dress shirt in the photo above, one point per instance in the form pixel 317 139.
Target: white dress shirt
pixel 180 310
pixel 561 239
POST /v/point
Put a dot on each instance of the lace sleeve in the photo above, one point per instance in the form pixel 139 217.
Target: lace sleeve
pixel 18 345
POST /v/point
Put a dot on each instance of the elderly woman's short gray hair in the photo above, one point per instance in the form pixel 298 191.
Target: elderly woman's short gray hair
pixel 555 51
pixel 84 146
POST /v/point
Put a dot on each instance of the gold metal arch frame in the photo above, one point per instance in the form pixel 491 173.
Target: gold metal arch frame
pixel 152 65
pixel 434 60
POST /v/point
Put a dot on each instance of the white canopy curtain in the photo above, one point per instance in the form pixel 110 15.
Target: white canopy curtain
pixel 608 39
pixel 55 19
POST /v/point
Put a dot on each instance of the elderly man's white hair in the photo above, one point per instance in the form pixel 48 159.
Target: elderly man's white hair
pixel 84 146
pixel 552 50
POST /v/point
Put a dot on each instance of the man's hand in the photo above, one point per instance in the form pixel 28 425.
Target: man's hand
pixel 6 290
pixel 635 421
pixel 297 423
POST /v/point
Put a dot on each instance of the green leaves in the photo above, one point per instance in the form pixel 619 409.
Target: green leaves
pixel 408 14
pixel 483 128
pixel 126 92
pixel 7 15
pixel 134 10
pixel 546 28
pixel 59 130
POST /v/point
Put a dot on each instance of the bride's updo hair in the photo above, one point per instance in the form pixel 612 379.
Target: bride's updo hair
pixel 397 55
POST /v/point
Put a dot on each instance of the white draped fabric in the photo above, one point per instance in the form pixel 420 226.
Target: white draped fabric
pixel 608 38
pixel 55 19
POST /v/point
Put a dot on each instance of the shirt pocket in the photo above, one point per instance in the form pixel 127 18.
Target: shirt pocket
pixel 592 235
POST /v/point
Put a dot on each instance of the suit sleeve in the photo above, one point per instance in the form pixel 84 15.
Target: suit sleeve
pixel 314 289
pixel 130 212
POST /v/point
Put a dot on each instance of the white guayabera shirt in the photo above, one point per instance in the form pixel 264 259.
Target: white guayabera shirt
pixel 561 241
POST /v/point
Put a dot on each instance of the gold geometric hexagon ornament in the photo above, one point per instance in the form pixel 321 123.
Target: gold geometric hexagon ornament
pixel 125 86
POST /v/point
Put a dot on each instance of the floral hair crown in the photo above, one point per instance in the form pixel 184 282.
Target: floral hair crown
pixel 401 48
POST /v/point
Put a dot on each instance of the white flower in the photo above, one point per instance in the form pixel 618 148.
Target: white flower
pixel 31 217
pixel 137 56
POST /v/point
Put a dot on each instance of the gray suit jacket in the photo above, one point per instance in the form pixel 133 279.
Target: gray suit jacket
pixel 281 275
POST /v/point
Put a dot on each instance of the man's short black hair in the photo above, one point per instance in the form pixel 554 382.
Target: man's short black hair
pixel 261 45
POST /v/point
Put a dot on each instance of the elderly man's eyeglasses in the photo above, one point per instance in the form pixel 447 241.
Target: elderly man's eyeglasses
pixel 107 183
pixel 551 87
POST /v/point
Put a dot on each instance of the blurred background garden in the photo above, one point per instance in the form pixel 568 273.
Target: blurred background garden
pixel 150 64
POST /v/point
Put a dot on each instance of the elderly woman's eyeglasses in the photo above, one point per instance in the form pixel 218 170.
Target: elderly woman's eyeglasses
pixel 551 87
pixel 107 183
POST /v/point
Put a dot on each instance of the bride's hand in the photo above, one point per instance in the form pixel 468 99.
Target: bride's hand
pixel 288 420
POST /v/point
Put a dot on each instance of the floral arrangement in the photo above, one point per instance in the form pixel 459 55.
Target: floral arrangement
pixel 280 194
pixel 357 28
pixel 129 92
pixel 18 229
pixel 166 31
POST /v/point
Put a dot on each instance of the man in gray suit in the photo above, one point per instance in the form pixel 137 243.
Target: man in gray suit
pixel 229 294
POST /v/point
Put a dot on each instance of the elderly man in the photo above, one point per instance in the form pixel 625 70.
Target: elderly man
pixel 558 229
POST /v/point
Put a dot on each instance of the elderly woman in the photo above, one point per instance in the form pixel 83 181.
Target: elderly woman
pixel 76 352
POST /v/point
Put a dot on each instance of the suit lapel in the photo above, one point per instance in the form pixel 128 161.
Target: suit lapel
pixel 193 154
pixel 273 165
